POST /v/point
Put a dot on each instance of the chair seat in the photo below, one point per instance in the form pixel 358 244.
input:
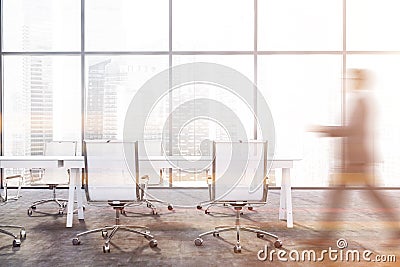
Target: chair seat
pixel 117 203
pixel 238 204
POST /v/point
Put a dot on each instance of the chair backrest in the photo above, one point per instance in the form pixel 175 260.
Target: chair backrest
pixel 109 176
pixel 149 151
pixel 153 158
pixel 240 170
pixel 58 148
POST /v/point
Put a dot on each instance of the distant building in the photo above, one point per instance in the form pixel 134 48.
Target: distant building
pixel 37 77
pixel 101 109
pixel 41 103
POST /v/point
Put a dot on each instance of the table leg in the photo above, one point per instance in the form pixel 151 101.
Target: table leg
pixel 71 194
pixel 287 187
pixel 79 195
pixel 170 177
pixel 282 202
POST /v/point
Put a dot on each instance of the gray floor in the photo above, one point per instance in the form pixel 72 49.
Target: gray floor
pixel 48 243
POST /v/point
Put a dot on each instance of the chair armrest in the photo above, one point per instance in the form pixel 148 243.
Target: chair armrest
pixel 14 176
pixel 18 176
pixel 38 170
pixel 36 174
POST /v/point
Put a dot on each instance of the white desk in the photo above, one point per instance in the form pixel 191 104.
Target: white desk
pixel 285 206
pixel 285 203
pixel 74 163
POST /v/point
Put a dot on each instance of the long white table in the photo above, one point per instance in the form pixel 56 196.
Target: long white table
pixel 74 163
pixel 285 206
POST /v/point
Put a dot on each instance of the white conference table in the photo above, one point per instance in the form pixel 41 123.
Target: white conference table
pixel 285 203
pixel 74 163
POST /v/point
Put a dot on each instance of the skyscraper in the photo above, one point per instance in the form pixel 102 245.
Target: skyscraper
pixel 37 76
pixel 101 110
pixel 41 103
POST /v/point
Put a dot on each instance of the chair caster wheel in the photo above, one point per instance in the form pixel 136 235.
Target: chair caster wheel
pixel 250 208
pixel 198 241
pixel 33 207
pixel 237 249
pixel 61 212
pixel 104 234
pixel 215 234
pixel 106 248
pixel 206 212
pixel 170 207
pixel 22 234
pixel 123 212
pixel 76 241
pixel 30 212
pixel 154 212
pixel 278 243
pixel 199 207
pixel 259 235
pixel 16 242
pixel 241 213
pixel 153 243
pixel 64 204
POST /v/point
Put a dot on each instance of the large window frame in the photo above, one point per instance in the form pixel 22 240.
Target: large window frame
pixel 255 52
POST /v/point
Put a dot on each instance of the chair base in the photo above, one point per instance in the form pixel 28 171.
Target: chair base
pixel 148 203
pixel 143 197
pixel 108 232
pixel 115 228
pixel 17 239
pixel 238 228
pixel 228 204
pixel 61 203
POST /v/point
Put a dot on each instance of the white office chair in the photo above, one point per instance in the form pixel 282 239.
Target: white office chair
pixel 109 180
pixel 53 177
pixel 151 148
pixel 239 178
pixel 151 171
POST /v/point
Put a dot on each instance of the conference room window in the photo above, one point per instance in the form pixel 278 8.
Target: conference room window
pixel 224 25
pixel 40 103
pixel 307 25
pixel 372 25
pixel 295 51
pixel 193 91
pixel 303 90
pixel 126 25
pixel 112 82
pixel 41 92
pixel 385 89
pixel 41 25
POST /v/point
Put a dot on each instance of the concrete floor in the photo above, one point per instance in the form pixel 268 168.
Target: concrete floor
pixel 48 243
